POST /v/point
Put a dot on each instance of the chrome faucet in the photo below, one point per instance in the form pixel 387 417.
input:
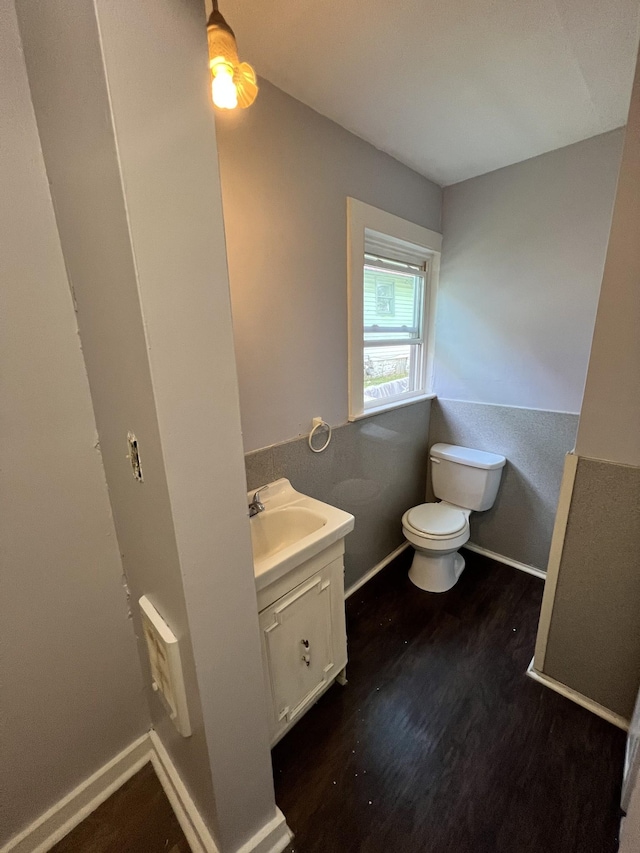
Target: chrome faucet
pixel 256 504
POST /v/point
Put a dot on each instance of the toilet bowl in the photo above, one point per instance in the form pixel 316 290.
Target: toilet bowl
pixel 436 531
pixel 466 480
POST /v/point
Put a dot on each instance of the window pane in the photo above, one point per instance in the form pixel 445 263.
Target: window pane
pixel 391 372
pixel 392 304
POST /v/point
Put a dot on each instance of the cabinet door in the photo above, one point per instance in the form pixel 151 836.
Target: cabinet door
pixel 298 649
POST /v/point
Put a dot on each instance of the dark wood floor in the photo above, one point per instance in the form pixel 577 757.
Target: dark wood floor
pixel 136 819
pixel 440 743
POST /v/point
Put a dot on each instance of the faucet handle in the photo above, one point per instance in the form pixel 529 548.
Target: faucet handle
pixel 256 494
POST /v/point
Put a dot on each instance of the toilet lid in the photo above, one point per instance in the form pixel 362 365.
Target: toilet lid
pixel 437 519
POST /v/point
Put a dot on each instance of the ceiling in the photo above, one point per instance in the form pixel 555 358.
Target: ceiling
pixel 452 88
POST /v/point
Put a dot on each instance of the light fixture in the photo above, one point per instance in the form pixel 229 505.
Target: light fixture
pixel 233 83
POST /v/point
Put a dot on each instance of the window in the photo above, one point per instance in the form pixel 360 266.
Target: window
pixel 385 294
pixel 392 326
pixel 393 268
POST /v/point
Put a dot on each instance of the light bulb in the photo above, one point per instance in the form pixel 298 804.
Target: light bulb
pixel 246 85
pixel 223 89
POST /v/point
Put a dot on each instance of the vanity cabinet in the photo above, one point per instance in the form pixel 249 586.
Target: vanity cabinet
pixel 303 635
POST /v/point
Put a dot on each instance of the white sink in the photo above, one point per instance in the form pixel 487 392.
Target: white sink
pixel 273 531
pixel 292 528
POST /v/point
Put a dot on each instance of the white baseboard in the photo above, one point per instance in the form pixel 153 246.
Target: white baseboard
pixel 195 829
pixel 274 837
pixel 65 815
pixel 374 571
pixel 71 810
pixel 578 698
pixel 522 567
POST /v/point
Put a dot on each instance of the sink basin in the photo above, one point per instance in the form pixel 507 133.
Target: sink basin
pixel 292 528
pixel 281 528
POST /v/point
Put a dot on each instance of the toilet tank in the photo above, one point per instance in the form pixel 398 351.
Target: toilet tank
pixel 465 477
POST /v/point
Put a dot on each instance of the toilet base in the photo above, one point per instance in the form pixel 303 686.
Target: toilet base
pixel 436 573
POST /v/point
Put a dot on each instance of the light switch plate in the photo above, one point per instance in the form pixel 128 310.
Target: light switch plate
pixel 166 666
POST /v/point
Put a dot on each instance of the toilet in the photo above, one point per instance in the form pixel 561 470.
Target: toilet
pixel 465 481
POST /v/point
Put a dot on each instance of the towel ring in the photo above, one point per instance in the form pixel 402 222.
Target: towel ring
pixel 313 432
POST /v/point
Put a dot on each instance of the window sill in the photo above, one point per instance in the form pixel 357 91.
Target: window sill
pixel 387 407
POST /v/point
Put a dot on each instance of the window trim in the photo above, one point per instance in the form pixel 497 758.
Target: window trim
pixel 397 239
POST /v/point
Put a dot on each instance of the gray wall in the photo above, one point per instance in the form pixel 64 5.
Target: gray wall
pixel 610 418
pixel 286 173
pixel 72 694
pixel 594 637
pixel 593 641
pixel 522 259
pixel 133 171
pixel 375 468
pixel 630 828
pixel 523 254
pixel 520 523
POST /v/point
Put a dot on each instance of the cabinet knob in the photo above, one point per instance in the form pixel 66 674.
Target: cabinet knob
pixel 305 643
pixel 307 659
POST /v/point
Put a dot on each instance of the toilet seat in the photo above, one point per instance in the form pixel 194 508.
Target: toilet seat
pixel 436 520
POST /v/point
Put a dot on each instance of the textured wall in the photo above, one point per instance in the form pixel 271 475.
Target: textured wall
pixel 630 829
pixel 520 523
pixel 375 468
pixel 594 637
pixel 286 173
pixel 70 681
pixel 523 254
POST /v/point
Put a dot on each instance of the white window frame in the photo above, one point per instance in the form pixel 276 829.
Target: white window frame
pixel 378 232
